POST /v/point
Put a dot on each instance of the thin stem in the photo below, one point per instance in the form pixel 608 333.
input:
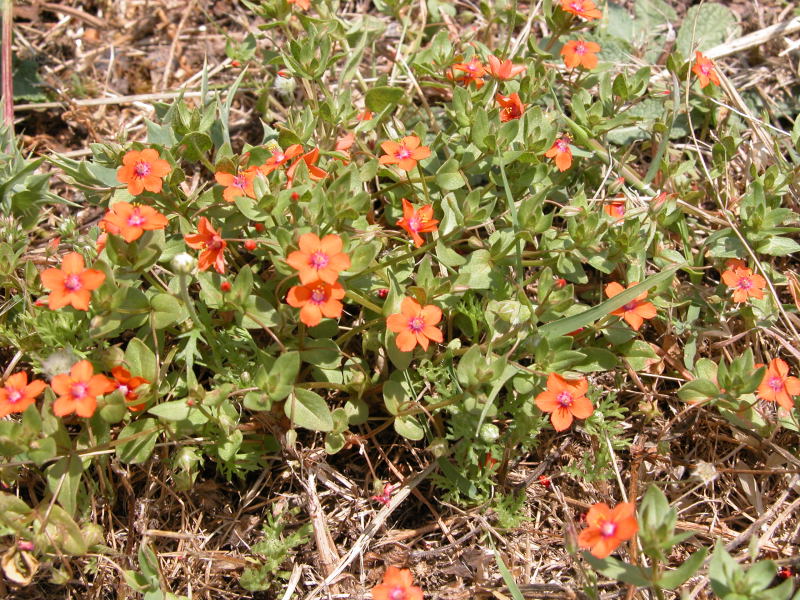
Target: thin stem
pixel 5 75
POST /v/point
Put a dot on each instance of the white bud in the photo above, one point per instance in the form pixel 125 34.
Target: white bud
pixel 183 263
pixel 284 85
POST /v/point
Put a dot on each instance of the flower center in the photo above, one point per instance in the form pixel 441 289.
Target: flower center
pixel 73 283
pixel 416 324
pixel 319 260
pixel 239 181
pixel 608 528
pixel 397 593
pixel 565 399
pixel 215 243
pixel 403 153
pixel 577 6
pixel 318 295
pixel 124 389
pixel 279 157
pixel 630 306
pixel 580 48
pixel 79 390
pixel 745 283
pixel 14 395
pixel 136 219
pixel 705 68
pixel 414 224
pixel 775 383
pixel 562 145
pixel 142 169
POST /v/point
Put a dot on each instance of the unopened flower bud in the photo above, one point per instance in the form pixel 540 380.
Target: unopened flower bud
pixel 225 286
pixel 183 263
pixel 250 245
pixel 284 85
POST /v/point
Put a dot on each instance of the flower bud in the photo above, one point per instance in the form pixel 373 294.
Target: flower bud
pixel 183 263
pixel 250 245
pixel 284 85
pixel 225 286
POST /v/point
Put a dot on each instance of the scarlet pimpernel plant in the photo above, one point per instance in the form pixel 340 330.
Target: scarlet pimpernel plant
pixel 411 263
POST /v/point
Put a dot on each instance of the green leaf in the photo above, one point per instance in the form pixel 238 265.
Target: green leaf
pixel 448 177
pixel 62 530
pixel 589 317
pixel 13 513
pixel 698 391
pixel 173 411
pixel 672 579
pixel 143 434
pixel 597 359
pixel 516 594
pixel 282 376
pixel 64 477
pixel 308 410
pixel 166 310
pixel 778 246
pixel 409 427
pixel 383 96
pixel 618 570
pixel 705 26
pixel 141 360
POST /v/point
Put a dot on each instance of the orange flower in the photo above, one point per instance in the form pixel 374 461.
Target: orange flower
pixel 131 220
pixel 561 152
pixel 581 8
pixel 17 394
pixel 143 171
pixel 315 300
pixel 473 73
pixel 705 70
pixel 78 391
pixel 280 157
pixel 397 585
pixel 414 324
pixel 211 243
pixel 778 386
pixel 511 107
pixel 566 400
pixel 127 384
pixel 745 284
pixel 733 264
pixel 301 4
pixel 237 185
pixel 404 153
pixel 314 172
pixel 344 143
pixel 100 244
pixel 579 52
pixel 608 528
pixel 72 283
pixel 503 70
pixel 635 311
pixel 417 221
pixel 615 209
pixel 319 258
pixel 366 115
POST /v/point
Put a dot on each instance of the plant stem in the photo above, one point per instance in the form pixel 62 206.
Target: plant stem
pixel 5 75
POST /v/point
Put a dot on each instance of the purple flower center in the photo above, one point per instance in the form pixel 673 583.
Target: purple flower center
pixel 124 389
pixel 705 68
pixel 397 593
pixel 580 48
pixel 240 181
pixel 562 145
pixel 564 399
pixel 79 390
pixel 318 295
pixel 73 283
pixel 630 306
pixel 279 157
pixel 136 219
pixel 608 528
pixel 745 283
pixel 403 153
pixel 416 324
pixel 215 243
pixel 14 395
pixel 775 383
pixel 142 169
pixel 414 223
pixel 319 260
